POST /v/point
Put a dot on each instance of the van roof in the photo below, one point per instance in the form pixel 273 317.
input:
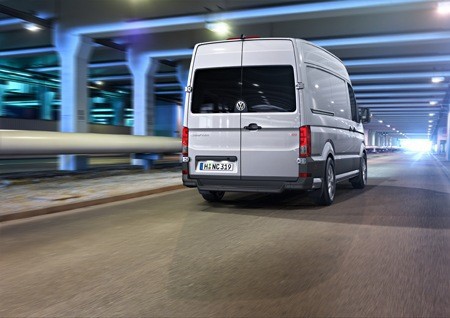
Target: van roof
pixel 336 66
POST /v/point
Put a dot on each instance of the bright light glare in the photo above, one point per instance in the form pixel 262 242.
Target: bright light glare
pixel 443 7
pixel 218 27
pixel 32 27
pixel 417 145
pixel 433 102
pixel 438 79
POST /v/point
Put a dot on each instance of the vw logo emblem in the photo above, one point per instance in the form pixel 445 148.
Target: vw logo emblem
pixel 240 105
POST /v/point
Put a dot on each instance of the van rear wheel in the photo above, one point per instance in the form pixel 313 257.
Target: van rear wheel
pixel 360 181
pixel 212 196
pixel 328 189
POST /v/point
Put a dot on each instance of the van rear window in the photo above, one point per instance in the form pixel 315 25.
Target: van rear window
pixel 262 88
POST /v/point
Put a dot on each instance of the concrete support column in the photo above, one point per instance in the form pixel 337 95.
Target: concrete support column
pixel 74 52
pixel 45 98
pixel 372 138
pixel 447 145
pixel 143 69
pixel 2 92
pixel 118 105
pixel 377 141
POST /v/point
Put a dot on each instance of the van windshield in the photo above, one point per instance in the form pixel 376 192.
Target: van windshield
pixel 262 88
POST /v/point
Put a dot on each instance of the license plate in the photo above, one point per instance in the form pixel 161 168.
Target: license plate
pixel 222 166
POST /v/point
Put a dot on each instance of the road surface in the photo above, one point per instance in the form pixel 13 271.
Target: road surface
pixel 383 251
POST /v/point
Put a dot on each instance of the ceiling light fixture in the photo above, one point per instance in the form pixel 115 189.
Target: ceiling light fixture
pixel 433 103
pixel 437 79
pixel 32 27
pixel 99 83
pixel 221 28
pixel 431 114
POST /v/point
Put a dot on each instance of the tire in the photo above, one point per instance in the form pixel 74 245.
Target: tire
pixel 328 189
pixel 360 181
pixel 212 196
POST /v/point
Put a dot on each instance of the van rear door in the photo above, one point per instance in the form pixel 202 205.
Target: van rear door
pixel 270 122
pixel 214 124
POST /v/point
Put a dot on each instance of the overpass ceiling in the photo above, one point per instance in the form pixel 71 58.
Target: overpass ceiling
pixel 391 48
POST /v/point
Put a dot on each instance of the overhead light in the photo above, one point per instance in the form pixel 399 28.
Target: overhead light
pixel 255 84
pixel 430 121
pixel 218 27
pixel 393 129
pixel 380 121
pixel 431 114
pixel 388 125
pixel 430 126
pixel 437 79
pixel 32 27
pixel 433 102
pixel 100 83
pixel 443 7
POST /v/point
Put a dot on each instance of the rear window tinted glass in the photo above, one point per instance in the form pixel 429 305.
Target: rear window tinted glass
pixel 262 88
pixel 216 90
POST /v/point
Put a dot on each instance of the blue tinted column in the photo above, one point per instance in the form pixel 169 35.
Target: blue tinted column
pixel 74 52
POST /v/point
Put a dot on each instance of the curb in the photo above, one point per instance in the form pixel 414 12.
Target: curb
pixel 84 204
pixel 443 167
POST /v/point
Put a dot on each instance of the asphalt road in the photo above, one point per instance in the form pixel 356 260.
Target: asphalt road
pixel 383 251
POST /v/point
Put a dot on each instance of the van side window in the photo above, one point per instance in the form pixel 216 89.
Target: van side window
pixel 320 90
pixel 353 104
pixel 340 98
pixel 328 93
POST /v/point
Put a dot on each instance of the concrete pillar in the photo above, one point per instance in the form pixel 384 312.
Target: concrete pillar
pixel 377 141
pixel 74 52
pixel 372 137
pixel 45 98
pixel 118 105
pixel 166 119
pixel 143 69
pixel 447 145
pixel 2 93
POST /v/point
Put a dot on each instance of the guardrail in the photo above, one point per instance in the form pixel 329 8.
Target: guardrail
pixel 28 142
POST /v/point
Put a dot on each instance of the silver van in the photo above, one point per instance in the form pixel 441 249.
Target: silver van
pixel 269 115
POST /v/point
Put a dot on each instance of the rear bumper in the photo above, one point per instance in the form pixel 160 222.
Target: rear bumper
pixel 313 169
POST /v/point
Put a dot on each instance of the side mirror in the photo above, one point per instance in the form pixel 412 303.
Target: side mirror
pixel 364 115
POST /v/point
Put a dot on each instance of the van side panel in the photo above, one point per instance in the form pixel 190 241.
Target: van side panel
pixel 326 107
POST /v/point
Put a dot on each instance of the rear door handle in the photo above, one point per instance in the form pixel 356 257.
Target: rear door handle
pixel 252 126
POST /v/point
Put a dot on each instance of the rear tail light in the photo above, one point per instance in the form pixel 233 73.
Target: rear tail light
pixel 305 141
pixel 185 141
pixel 185 144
